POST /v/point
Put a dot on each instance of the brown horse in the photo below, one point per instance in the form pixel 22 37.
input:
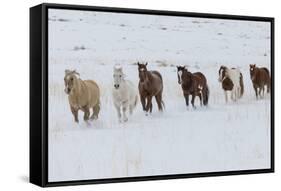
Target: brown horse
pixel 194 84
pixel 260 78
pixel 150 84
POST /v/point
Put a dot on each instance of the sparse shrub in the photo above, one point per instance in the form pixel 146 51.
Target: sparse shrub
pixel 79 48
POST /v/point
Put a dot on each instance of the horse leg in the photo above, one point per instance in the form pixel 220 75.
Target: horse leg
pixel 158 98
pixel 232 95
pixel 86 111
pixel 256 91
pixel 131 107
pixel 96 110
pixel 260 92
pixel 124 110
pixel 238 92
pixel 149 104
pixel 118 111
pixel 133 104
pixel 75 114
pixel 150 108
pixel 226 97
pixel 268 86
pixel 192 101
pixel 142 98
pixel 200 98
pixel 186 97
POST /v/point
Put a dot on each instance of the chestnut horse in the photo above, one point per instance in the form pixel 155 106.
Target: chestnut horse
pixel 260 78
pixel 194 84
pixel 150 84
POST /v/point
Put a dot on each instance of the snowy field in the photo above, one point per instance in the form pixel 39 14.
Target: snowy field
pixel 220 137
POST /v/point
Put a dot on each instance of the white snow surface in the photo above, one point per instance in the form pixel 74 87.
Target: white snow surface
pixel 219 137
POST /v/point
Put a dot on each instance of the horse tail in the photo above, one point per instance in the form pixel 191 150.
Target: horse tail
pixel 269 85
pixel 241 85
pixel 206 95
pixel 269 80
pixel 266 70
pixel 158 74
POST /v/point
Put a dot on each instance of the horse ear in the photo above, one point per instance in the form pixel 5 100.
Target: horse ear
pixel 146 64
pixel 254 65
pixel 74 71
pixel 138 63
pixel 67 71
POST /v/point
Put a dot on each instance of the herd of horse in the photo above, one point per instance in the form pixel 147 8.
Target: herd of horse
pixel 84 95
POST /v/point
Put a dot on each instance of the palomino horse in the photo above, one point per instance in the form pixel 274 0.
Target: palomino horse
pixel 82 95
pixel 150 84
pixel 260 77
pixel 231 80
pixel 194 84
pixel 124 94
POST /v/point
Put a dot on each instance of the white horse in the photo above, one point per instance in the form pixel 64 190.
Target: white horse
pixel 125 96
pixel 232 80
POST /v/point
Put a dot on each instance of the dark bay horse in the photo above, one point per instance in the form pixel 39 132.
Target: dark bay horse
pixel 150 84
pixel 194 84
pixel 260 78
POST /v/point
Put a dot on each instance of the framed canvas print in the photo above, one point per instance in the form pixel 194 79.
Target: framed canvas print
pixel 127 95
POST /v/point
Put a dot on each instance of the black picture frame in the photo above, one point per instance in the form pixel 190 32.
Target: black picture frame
pixel 39 94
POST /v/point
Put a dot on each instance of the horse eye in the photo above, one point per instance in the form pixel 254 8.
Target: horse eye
pixel 71 79
pixel 120 76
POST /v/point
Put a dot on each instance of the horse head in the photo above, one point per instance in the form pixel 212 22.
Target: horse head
pixel 142 71
pixel 181 71
pixel 253 71
pixel 118 76
pixel 70 80
pixel 222 73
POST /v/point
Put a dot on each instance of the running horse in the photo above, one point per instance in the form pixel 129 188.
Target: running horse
pixel 150 85
pixel 260 78
pixel 232 81
pixel 194 84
